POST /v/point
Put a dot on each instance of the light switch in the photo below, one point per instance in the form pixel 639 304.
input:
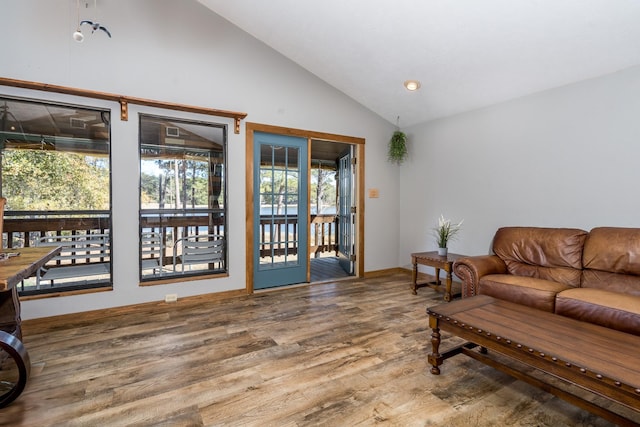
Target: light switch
pixel 374 193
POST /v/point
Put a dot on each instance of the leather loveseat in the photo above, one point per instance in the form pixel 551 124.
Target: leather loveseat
pixel 590 276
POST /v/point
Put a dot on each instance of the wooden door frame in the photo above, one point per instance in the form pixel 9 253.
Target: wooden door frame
pixel 249 193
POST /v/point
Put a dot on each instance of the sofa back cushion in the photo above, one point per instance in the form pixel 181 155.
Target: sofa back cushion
pixel 546 253
pixel 611 260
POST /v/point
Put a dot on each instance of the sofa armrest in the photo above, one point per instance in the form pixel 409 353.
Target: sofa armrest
pixel 471 269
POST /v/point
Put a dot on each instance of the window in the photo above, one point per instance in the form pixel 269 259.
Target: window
pixel 56 177
pixel 182 198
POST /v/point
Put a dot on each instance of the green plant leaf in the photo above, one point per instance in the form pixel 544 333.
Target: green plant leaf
pixel 398 147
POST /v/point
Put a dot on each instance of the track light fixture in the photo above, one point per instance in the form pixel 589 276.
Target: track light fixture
pixel 77 35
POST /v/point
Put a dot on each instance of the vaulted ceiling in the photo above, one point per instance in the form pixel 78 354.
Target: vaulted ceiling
pixel 467 54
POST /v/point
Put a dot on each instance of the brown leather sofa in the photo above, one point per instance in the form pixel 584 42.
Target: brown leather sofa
pixel 590 276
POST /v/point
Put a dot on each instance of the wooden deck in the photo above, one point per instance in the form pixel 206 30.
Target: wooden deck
pixel 326 268
pixel 345 353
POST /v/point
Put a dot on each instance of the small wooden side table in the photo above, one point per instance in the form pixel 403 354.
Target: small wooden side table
pixel 432 259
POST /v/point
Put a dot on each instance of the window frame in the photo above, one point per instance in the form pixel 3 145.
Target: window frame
pixel 143 226
pixel 102 219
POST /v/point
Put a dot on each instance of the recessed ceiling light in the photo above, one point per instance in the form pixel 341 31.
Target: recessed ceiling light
pixel 412 85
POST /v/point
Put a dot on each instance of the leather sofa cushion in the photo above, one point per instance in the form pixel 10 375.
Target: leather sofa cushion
pixel 602 307
pixel 615 282
pixel 536 293
pixel 613 249
pixel 553 254
pixel 611 260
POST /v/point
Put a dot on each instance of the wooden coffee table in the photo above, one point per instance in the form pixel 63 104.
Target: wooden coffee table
pixel 432 259
pixel 600 360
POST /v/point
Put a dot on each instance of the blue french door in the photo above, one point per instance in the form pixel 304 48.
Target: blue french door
pixel 281 210
pixel 346 211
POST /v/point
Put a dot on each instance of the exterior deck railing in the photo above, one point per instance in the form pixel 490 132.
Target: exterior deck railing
pixel 323 235
pixel 24 229
pixel 278 235
pixel 25 232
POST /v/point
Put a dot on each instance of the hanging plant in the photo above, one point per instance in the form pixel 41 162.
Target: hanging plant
pixel 398 147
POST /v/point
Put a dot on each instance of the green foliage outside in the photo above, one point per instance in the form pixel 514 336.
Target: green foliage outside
pixel 278 187
pixel 159 190
pixel 49 180
pixel 42 180
pixel 323 190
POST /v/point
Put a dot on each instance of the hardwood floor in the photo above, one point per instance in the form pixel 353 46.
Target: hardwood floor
pixel 338 354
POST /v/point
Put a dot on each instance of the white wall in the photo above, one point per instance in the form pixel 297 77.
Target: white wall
pixel 566 157
pixel 181 52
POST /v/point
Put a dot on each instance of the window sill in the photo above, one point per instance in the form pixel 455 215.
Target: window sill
pixel 178 279
pixel 66 293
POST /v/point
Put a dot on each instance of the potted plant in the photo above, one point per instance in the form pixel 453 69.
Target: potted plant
pixel 398 147
pixel 444 232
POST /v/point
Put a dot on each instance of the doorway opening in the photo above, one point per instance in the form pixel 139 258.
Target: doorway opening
pixel 322 227
pixel 331 220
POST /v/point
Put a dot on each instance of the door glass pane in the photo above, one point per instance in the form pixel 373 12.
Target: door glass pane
pixel 345 206
pixel 346 216
pixel 279 195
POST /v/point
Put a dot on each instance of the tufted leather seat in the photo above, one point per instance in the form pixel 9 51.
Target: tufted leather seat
pixel 590 276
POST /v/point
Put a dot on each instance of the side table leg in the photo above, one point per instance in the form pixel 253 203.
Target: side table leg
pixel 447 293
pixel 414 276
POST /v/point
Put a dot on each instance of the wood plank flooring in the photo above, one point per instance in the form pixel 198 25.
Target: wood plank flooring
pixel 349 353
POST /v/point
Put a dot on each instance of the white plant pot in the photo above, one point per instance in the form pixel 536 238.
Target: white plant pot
pixel 442 251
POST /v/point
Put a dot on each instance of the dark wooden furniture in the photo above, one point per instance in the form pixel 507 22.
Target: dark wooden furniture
pixel 12 271
pixel 15 269
pixel 600 360
pixel 432 259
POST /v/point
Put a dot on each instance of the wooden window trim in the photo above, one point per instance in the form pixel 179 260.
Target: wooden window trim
pixel 125 100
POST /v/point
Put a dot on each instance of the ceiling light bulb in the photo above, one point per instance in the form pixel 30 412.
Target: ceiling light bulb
pixel 412 85
pixel 78 36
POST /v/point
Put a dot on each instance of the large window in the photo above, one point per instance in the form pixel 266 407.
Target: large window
pixel 55 175
pixel 182 198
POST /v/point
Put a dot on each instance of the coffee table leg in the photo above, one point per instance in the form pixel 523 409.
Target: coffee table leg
pixel 435 358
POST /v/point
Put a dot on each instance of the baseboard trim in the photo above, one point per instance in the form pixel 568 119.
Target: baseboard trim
pixel 32 324
pixel 385 272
